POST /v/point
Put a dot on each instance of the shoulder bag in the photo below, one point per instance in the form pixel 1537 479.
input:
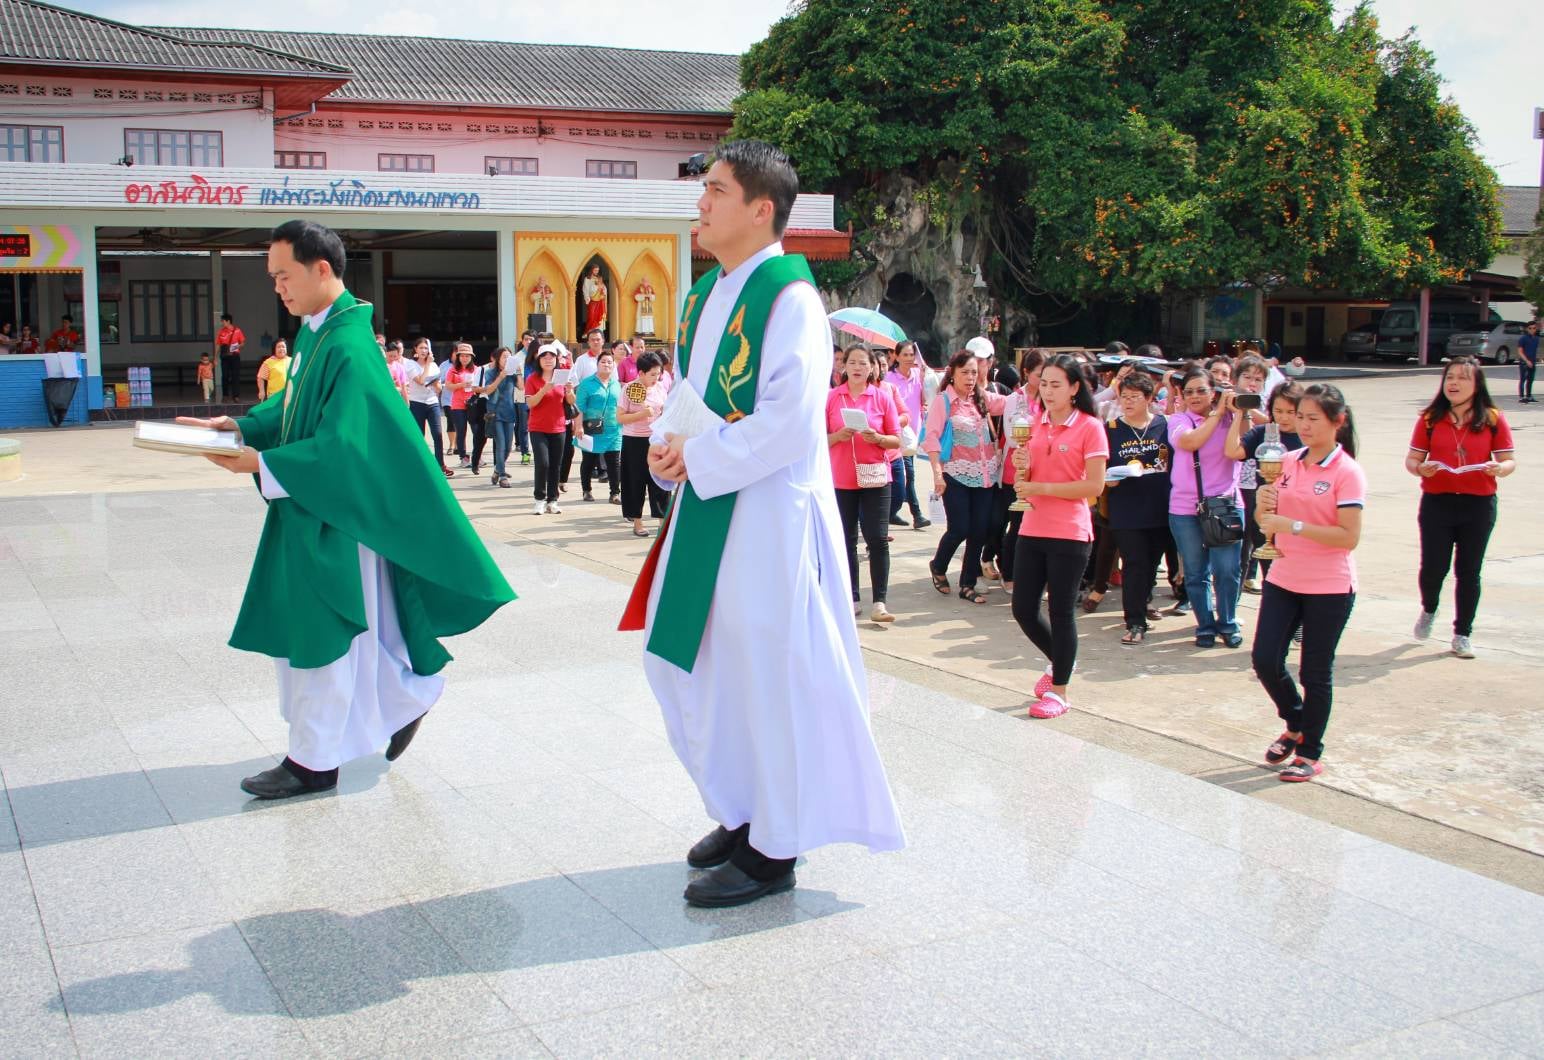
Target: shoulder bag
pixel 1221 522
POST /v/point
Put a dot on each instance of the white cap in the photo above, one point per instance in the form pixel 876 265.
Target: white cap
pixel 981 346
pixel 549 347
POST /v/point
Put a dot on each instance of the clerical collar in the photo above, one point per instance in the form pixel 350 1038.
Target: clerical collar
pixel 315 320
pixel 748 266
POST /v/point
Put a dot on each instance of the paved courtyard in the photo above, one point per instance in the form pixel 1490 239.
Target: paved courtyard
pixel 511 887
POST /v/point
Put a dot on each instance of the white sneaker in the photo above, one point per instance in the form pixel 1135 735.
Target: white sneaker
pixel 1423 625
pixel 1462 648
pixel 541 508
pixel 553 509
pixel 881 613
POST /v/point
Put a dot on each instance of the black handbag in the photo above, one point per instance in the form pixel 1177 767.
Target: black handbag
pixel 1221 522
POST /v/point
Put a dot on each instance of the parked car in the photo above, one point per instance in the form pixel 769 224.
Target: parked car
pixel 1499 344
pixel 1398 331
pixel 1359 342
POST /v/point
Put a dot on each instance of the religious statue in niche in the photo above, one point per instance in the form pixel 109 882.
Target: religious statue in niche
pixel 594 291
pixel 541 297
pixel 644 296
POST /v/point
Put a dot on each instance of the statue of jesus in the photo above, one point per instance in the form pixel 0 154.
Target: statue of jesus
pixel 594 301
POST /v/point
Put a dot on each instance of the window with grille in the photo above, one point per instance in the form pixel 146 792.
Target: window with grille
pixel 511 167
pixel 170 311
pixel 611 170
pixel 300 160
pixel 405 163
pixel 174 147
pixel 31 143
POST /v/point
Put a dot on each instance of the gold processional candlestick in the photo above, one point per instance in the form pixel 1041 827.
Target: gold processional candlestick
pixel 1019 428
pixel 1269 457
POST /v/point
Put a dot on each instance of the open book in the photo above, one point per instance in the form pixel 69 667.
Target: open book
pixel 182 438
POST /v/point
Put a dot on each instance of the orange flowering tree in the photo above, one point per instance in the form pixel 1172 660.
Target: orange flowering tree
pixel 1119 149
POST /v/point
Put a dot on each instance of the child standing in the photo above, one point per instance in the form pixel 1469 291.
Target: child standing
pixel 206 377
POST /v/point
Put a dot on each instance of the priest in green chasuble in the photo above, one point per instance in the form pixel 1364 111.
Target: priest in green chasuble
pixel 366 559
pixel 752 650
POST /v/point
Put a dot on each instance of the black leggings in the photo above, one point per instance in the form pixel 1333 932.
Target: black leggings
pixel 479 424
pixel 1140 551
pixel 425 412
pixel 1052 566
pixel 870 508
pixel 636 480
pixel 590 463
pixel 549 460
pixel 1323 618
pixel 1106 552
pixel 1455 529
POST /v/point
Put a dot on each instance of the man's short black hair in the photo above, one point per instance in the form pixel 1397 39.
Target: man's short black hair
pixel 765 173
pixel 227 318
pixel 311 243
pixel 66 319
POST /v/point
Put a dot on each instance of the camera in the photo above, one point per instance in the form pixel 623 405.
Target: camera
pixel 1248 402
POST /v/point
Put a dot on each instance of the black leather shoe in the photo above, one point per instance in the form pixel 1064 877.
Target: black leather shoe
pixel 401 738
pixel 280 783
pixel 728 885
pixel 713 849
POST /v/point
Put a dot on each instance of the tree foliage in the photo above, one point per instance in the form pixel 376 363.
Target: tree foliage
pixel 1115 148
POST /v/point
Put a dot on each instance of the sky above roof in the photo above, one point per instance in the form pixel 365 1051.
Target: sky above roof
pixel 1496 81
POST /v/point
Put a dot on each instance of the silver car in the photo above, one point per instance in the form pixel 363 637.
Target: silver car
pixel 1359 342
pixel 1498 345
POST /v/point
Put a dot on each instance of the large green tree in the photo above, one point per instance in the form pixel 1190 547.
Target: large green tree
pixel 1117 149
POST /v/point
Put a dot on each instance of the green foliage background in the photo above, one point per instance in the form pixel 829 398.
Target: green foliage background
pixel 1113 149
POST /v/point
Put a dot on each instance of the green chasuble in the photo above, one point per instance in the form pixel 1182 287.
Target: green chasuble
pixel 342 444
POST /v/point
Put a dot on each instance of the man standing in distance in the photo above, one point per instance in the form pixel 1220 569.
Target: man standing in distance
pixel 752 651
pixel 366 559
pixel 227 343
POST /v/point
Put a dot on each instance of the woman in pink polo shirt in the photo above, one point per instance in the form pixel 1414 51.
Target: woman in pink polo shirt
pixel 1315 511
pixel 1060 471
pixel 860 468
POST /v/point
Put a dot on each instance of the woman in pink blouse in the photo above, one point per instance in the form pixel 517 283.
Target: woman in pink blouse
pixel 962 448
pixel 860 469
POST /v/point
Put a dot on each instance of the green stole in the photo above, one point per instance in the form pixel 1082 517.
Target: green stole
pixel 702 526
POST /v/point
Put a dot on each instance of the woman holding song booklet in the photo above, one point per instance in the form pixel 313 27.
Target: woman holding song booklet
pixel 1461 446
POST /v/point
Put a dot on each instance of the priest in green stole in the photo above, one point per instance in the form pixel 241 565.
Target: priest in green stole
pixel 752 649
pixel 366 559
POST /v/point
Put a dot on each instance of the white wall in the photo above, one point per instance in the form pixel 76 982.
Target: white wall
pixel 353 140
pixel 93 128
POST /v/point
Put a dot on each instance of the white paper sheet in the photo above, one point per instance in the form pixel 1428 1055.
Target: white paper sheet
pixel 685 415
pixel 856 419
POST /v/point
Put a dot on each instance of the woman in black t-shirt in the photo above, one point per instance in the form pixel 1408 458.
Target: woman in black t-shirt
pixel 1139 504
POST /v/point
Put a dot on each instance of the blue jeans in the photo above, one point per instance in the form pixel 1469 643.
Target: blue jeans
pixel 503 437
pixel 1206 569
pixel 903 487
pixel 523 428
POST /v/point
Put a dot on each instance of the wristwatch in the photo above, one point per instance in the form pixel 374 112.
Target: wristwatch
pixel 1297 527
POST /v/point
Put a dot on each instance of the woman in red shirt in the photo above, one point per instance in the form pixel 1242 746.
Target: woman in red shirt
pixel 549 427
pixel 1460 447
pixel 1060 471
pixel 460 380
pixel 861 469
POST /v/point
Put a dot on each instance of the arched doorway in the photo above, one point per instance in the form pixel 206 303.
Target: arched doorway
pixel 596 280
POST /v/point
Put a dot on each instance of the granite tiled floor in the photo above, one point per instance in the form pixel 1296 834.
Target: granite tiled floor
pixel 511 887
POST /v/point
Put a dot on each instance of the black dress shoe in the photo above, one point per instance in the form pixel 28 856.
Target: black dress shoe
pixel 713 849
pixel 728 885
pixel 401 738
pixel 280 783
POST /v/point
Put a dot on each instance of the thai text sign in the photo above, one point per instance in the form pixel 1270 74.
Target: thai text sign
pixel 344 191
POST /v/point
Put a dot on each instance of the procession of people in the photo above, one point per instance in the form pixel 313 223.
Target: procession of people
pixel 763 464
